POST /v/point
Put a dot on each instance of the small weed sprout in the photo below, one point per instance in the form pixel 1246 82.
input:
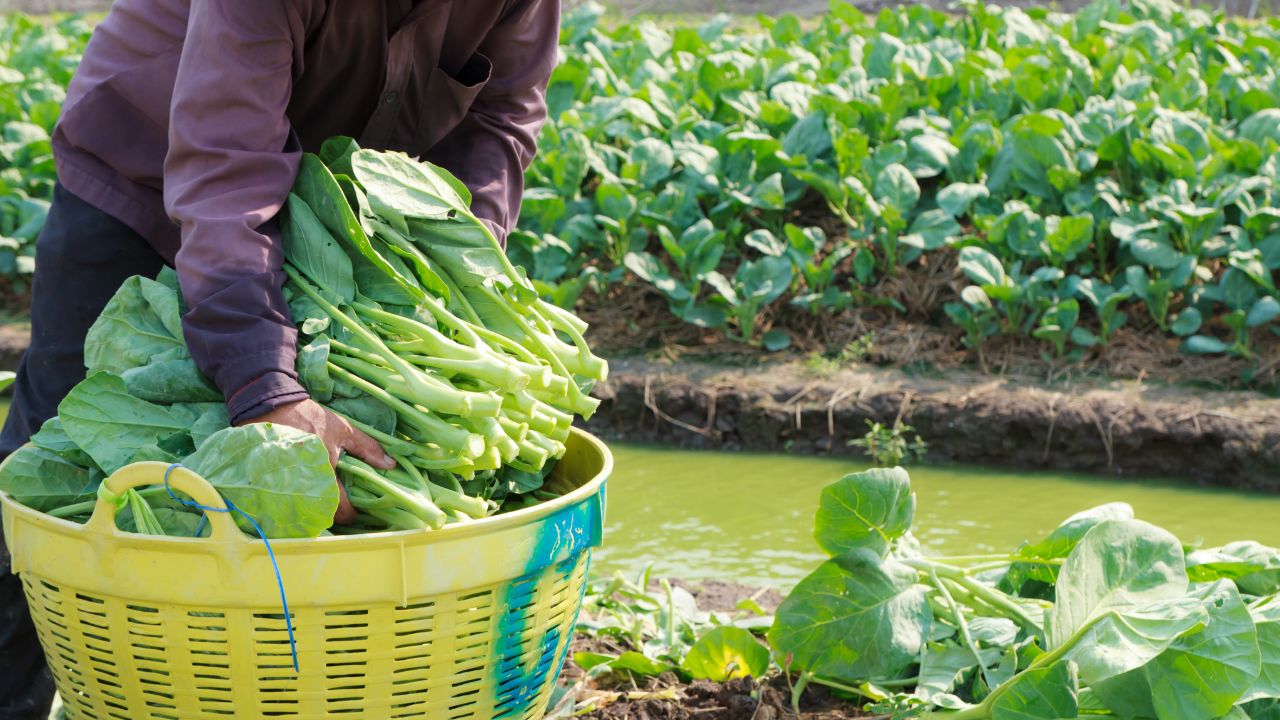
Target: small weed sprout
pixel 858 350
pixel 888 445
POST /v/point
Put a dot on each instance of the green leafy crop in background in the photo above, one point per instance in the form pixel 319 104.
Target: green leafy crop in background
pixel 1113 167
pixel 37 59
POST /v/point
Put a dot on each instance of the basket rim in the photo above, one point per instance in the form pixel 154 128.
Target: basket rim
pixel 363 541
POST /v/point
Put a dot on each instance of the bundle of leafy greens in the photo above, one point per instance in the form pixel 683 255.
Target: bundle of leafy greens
pixel 413 325
pixel 1106 616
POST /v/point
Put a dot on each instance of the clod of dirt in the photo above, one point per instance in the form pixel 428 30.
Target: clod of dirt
pixel 720 596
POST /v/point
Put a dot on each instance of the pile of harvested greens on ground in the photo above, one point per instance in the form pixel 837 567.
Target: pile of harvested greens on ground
pixel 414 326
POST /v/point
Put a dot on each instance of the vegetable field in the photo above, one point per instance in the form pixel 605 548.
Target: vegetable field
pixel 995 175
pixel 1069 175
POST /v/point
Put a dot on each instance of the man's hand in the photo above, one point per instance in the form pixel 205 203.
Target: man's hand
pixel 337 435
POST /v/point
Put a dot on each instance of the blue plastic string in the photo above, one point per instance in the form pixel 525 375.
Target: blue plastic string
pixel 284 602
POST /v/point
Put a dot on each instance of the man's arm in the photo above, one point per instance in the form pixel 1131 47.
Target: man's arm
pixel 227 174
pixel 494 144
pixel 231 162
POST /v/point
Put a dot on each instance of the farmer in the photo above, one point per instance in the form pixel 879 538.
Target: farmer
pixel 179 140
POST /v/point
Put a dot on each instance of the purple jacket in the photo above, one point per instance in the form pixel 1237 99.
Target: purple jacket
pixel 186 121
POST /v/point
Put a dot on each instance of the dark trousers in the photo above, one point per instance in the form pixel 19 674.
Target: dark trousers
pixel 82 257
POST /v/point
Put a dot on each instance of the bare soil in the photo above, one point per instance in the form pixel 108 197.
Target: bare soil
pixel 667 698
pixel 1117 427
pixel 716 595
pixel 633 319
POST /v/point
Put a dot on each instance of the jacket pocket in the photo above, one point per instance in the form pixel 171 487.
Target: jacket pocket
pixel 450 97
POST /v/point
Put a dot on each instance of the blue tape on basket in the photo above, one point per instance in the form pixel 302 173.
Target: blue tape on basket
pixel 284 602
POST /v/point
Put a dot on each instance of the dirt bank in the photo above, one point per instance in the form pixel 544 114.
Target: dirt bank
pixel 1229 439
pixel 1217 438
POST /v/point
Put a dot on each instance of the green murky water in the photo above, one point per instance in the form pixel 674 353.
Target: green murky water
pixel 749 517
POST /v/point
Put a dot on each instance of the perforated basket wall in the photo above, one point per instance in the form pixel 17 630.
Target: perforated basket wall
pixel 470 622
pixel 485 653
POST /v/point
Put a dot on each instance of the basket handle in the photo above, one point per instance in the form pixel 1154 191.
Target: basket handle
pixel 140 474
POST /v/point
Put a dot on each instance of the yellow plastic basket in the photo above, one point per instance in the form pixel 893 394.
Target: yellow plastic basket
pixel 471 621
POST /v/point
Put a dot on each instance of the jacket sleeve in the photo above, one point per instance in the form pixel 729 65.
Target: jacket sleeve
pixel 495 142
pixel 231 162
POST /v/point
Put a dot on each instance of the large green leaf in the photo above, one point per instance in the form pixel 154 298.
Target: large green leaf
pixel 400 187
pixel 653 160
pixel 279 476
pixel 1266 622
pixel 44 480
pixel 981 266
pixel 865 510
pixel 1262 126
pixel 1059 543
pixel 1121 599
pixel 210 418
pixel 942 666
pixel 1156 253
pixel 929 155
pixel 650 269
pixel 1202 674
pixel 768 194
pixel 310 247
pixel 931 230
pixel 170 381
pixel 1067 237
pixel 465 250
pixel 1204 345
pixel 1033 159
pixel 109 424
pixel 1254 567
pixel 725 653
pixel 856 617
pixel 140 322
pixel 1264 709
pixel 313 369
pixel 318 188
pixel 53 437
pixel 765 279
pixel 336 154
pixel 630 662
pixel 1263 311
pixel 956 199
pixel 896 186
pixel 1041 694
pixel 367 410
